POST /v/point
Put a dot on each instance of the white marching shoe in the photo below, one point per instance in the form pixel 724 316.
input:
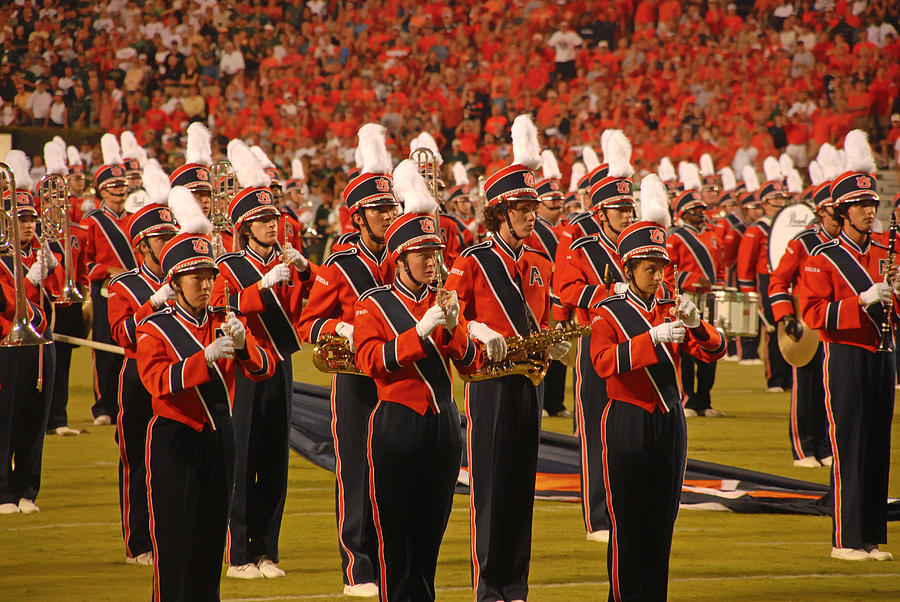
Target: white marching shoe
pixel 244 571
pixel 807 462
pixel 269 569
pixel 27 506
pixel 849 554
pixel 145 559
pixel 880 555
pixel 9 508
pixel 65 431
pixel 601 535
pixel 361 590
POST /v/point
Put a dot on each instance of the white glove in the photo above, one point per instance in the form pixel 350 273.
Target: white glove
pixel 433 318
pixel 221 348
pixel 236 331
pixel 493 340
pixel 164 294
pixel 346 330
pixel 619 287
pixel 559 351
pixel 879 292
pixel 47 256
pixel 37 273
pixel 669 332
pixel 296 258
pixel 452 311
pixel 689 313
pixel 87 205
pixel 279 273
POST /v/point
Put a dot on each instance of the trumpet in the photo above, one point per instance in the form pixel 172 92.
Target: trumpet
pixel 53 192
pixel 224 188
pixel 527 356
pixel 887 326
pixel 332 354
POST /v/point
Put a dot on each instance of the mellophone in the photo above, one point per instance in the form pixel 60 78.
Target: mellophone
pixel 729 310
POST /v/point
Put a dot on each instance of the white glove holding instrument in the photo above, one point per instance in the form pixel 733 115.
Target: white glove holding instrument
pixel 493 340
pixel 37 273
pixel 689 313
pixel 559 351
pixel 879 292
pixel 164 294
pixel 296 258
pixel 669 332
pixel 346 330
pixel 221 348
pixel 433 318
pixel 451 310
pixel 236 331
pixel 279 273
pixel 44 254
pixel 619 287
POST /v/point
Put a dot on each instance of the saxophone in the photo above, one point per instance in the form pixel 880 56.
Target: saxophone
pixel 332 355
pixel 527 356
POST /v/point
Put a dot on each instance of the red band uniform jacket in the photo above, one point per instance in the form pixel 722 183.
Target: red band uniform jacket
pixel 697 254
pixel 129 304
pixel 786 276
pixel 107 244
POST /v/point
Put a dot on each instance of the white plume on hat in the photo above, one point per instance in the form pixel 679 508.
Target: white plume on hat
pixel 829 161
pixel 373 149
pixel 604 140
pixel 618 154
pixel 666 170
pixel 20 165
pixel 55 158
pixel 729 181
pixel 741 158
pixel 460 176
pixel 357 158
pixel 816 176
pixel 198 148
pixel 526 150
pixel 156 183
pixel 297 171
pixel 426 140
pixel 689 174
pixel 794 181
pixel 110 149
pixel 59 141
pixel 73 156
pixel 578 172
pixel 655 201
pixel 772 169
pixel 187 211
pixel 751 180
pixel 590 158
pixel 707 167
pixel 249 172
pixel 411 190
pixel 549 166
pixel 858 153
pixel 261 156
pixel 131 149
pixel 786 163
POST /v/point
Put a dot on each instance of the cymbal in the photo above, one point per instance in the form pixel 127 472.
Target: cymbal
pixel 798 353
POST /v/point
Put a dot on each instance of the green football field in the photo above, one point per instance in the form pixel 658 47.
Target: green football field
pixel 72 550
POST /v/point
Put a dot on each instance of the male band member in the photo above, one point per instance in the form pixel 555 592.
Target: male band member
pixel 24 404
pixel 460 208
pixel 504 291
pixel 290 231
pixel 636 346
pixel 80 201
pixel 709 190
pixel 694 249
pixel 669 177
pixel 845 294
pixel 582 279
pixel 108 253
pixel 731 218
pixel 133 296
pixel 186 359
pixel 268 290
pixel 339 282
pixel 406 335
pixel 807 428
pixel 753 273
pixel 134 159
pixel 586 221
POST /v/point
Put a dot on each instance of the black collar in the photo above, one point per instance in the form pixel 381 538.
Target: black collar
pixel 501 244
pixel 148 273
pixel 188 317
pixel 106 209
pixel 636 300
pixel 406 292
pixel 260 258
pixel 853 246
pixel 377 259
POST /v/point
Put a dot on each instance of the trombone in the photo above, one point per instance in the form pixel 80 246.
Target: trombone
pixel 53 192
pixel 427 163
pixel 224 188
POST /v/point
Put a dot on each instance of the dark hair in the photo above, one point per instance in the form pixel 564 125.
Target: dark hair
pixel 492 216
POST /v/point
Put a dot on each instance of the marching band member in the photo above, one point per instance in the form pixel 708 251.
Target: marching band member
pixel 591 265
pixel 133 296
pixel 504 291
pixel 460 208
pixel 269 284
pixel 636 346
pixel 845 294
pixel 669 177
pixel 406 334
pixel 753 273
pixel 807 427
pixel 80 203
pixel 339 282
pixel 187 358
pixel 451 229
pixel 195 174
pixel 694 249
pixel 134 157
pixel 709 190
pixel 108 253
pixel 586 221
pixel 290 230
pixel 24 404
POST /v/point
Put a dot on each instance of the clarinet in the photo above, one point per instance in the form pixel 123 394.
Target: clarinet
pixel 887 326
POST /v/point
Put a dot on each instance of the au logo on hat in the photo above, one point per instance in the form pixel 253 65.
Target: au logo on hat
pixel 623 188
pixel 201 246
pixel 202 174
pixel 165 215
pixel 264 198
pixel 117 171
pixel 554 185
pixel 529 179
pixel 656 235
pixel 382 184
pixel 864 182
pixel 427 225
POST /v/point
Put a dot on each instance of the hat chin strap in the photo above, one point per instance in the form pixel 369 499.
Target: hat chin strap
pixel 194 310
pixel 365 221
pixel 409 273
pixel 512 230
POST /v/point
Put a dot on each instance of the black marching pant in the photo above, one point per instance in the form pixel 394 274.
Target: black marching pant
pixel 106 365
pixel 413 467
pixel 23 419
pixel 778 371
pixel 590 401
pixel 353 398
pixel 261 418
pixel 555 387
pixel 135 412
pixel 697 379
pixel 189 486
pixel 68 321
pixel 808 428
pixel 644 457
pixel 503 431
pixel 859 402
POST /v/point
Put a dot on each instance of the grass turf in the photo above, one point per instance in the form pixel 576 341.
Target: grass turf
pixel 72 550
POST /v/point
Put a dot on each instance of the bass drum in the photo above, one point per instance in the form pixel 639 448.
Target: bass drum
pixel 786 224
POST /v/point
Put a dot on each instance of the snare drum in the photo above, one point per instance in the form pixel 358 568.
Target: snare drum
pixel 735 313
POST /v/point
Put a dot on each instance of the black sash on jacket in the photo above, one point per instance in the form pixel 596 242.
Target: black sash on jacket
pixel 119 243
pixel 855 276
pixel 508 293
pixel 700 252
